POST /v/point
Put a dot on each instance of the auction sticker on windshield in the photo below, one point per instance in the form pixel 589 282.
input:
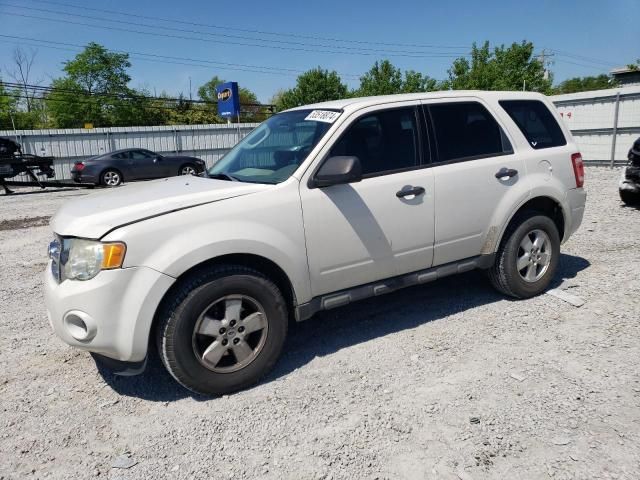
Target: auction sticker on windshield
pixel 326 116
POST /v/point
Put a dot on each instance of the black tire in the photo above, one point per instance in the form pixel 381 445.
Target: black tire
pixel 180 313
pixel 504 274
pixel 111 178
pixel 630 198
pixel 181 170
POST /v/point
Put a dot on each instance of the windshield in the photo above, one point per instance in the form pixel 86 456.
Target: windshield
pixel 276 148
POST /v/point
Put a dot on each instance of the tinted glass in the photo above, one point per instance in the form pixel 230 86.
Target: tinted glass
pixel 275 149
pixel 467 130
pixel 384 141
pixel 139 155
pixel 121 155
pixel 536 123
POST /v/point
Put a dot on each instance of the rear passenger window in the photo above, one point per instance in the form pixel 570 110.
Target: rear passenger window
pixel 383 141
pixel 536 122
pixel 466 131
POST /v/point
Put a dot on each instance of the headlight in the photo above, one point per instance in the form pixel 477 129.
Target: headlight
pixel 82 259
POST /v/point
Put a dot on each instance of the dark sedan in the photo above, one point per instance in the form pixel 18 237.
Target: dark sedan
pixel 111 169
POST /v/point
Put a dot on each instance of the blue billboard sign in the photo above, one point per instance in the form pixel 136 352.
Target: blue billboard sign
pixel 228 100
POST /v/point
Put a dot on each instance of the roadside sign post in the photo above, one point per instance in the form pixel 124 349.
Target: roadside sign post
pixel 229 102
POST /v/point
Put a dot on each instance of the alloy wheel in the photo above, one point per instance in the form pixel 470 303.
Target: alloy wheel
pixel 112 179
pixel 534 256
pixel 230 333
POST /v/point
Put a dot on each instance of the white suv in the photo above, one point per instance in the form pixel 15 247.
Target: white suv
pixel 318 207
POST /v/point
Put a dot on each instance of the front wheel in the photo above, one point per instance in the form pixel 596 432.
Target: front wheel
pixel 187 170
pixel 222 330
pixel 528 256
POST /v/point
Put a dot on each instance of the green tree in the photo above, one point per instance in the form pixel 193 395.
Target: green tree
pixel 503 68
pixel 415 82
pixel 584 84
pixel 313 86
pixel 7 107
pixel 382 79
pixel 385 79
pixel 95 90
pixel 249 109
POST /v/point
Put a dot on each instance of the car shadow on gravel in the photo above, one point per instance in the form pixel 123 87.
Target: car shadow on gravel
pixel 331 331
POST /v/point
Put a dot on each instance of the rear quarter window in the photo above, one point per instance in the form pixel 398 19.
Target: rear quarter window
pixel 536 122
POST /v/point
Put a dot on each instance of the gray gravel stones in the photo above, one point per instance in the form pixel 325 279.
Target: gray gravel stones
pixel 380 389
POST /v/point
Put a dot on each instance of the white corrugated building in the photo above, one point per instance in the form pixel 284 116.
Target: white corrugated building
pixel 594 116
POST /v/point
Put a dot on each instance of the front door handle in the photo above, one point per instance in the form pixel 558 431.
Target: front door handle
pixel 413 191
pixel 506 172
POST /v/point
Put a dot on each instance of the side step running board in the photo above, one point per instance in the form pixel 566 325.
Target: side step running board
pixel 344 297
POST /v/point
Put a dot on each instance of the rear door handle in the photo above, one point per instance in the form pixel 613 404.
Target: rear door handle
pixel 410 191
pixel 506 172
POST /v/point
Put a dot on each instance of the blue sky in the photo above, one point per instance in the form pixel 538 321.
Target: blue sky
pixel 588 37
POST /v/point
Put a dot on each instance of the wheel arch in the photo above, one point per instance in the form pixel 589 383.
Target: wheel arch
pixel 543 204
pixel 263 265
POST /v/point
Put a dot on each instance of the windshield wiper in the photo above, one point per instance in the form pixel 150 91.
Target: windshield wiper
pixel 224 176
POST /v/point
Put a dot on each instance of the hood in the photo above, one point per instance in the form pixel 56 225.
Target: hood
pixel 94 215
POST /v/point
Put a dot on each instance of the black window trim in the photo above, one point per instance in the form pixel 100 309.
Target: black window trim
pixel 423 161
pixel 435 156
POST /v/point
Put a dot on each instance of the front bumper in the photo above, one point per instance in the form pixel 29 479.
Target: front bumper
pixel 113 311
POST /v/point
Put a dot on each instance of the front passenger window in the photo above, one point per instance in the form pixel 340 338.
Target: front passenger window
pixel 384 141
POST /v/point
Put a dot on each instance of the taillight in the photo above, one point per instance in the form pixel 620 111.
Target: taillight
pixel 578 169
pixel 78 167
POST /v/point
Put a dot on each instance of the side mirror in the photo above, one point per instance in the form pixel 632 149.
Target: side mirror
pixel 338 170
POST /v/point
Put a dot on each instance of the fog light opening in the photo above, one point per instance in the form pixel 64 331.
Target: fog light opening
pixel 80 326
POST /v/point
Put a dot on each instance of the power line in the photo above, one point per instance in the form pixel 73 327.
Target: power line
pixel 582 58
pixel 261 32
pixel 591 67
pixel 118 96
pixel 85 102
pixel 208 40
pixel 200 32
pixel 292 35
pixel 175 60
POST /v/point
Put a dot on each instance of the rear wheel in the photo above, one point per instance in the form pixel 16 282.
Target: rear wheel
pixel 111 178
pixel 222 330
pixel 528 256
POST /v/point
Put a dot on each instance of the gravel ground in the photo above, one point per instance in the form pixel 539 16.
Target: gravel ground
pixel 448 380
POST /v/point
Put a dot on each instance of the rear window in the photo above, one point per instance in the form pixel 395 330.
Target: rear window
pixel 536 122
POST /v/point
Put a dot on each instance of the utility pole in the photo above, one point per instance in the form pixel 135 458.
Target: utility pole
pixel 543 59
pixel 190 97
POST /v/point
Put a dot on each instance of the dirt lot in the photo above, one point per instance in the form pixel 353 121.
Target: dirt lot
pixel 448 380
